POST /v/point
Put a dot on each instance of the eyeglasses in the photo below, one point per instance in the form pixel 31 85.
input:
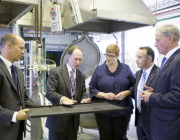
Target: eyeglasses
pixel 111 56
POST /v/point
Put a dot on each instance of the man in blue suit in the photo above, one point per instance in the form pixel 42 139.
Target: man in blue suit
pixel 145 61
pixel 165 99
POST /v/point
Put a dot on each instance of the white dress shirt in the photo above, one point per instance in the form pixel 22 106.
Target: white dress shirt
pixel 147 75
pixel 69 72
pixel 8 65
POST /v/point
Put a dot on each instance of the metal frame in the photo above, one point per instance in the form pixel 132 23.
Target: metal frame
pixel 29 3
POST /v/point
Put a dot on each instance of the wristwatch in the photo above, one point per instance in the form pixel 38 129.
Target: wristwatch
pixel 103 95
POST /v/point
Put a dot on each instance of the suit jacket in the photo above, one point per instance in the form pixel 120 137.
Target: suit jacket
pixel 10 102
pixel 165 101
pixel 58 85
pixel 145 107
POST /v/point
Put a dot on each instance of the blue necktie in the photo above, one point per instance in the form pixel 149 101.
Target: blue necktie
pixel 14 75
pixel 162 63
pixel 73 88
pixel 142 84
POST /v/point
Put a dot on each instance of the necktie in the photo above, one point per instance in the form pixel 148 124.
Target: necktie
pixel 162 63
pixel 14 75
pixel 72 82
pixel 142 84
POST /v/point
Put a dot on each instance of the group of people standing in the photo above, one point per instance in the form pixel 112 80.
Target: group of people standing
pixel 156 91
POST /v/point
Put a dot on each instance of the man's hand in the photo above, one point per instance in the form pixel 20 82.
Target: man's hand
pixel 109 96
pixel 21 115
pixel 49 104
pixel 86 100
pixel 67 101
pixel 149 89
pixel 145 96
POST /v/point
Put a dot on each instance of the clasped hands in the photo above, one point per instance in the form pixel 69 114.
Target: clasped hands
pixel 119 96
pixel 146 94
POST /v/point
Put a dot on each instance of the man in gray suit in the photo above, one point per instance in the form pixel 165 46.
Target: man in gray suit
pixel 13 98
pixel 145 76
pixel 66 85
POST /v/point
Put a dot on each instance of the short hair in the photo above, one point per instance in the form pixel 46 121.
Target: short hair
pixel 170 29
pixel 149 52
pixel 71 50
pixel 113 48
pixel 10 37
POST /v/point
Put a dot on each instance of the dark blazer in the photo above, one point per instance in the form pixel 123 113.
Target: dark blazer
pixel 165 101
pixel 58 85
pixel 10 102
pixel 145 108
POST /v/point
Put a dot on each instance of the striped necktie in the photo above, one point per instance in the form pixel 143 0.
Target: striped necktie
pixel 72 83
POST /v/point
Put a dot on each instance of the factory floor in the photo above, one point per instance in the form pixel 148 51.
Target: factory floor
pixel 90 134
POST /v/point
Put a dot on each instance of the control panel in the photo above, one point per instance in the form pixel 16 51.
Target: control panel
pixel 55 18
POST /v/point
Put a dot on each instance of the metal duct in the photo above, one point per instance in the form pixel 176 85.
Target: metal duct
pixel 102 16
pixel 106 16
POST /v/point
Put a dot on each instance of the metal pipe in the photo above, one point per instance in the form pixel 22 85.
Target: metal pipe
pixel 36 23
pixel 122 47
pixel 115 38
pixel 40 20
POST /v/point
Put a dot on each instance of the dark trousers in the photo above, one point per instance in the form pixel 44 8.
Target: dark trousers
pixel 141 132
pixel 112 128
pixel 68 133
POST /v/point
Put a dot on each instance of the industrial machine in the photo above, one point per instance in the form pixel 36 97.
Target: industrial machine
pixel 72 16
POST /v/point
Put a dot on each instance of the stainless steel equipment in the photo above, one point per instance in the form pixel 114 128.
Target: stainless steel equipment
pixel 105 16
pixel 12 10
pixel 91 55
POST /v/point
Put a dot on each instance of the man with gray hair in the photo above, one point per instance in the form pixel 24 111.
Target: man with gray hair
pixel 164 96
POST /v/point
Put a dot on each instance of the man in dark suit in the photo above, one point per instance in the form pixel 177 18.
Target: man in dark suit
pixel 13 98
pixel 145 61
pixel 66 85
pixel 165 99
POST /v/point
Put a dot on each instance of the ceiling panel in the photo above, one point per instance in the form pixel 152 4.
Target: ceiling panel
pixel 161 4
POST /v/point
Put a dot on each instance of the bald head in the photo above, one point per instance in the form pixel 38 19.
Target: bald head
pixel 12 47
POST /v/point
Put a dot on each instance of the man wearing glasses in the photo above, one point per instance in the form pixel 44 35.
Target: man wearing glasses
pixel 113 81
